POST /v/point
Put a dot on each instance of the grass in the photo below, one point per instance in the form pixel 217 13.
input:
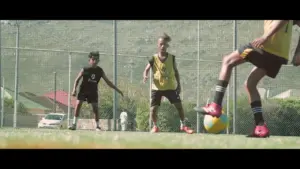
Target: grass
pixel 44 138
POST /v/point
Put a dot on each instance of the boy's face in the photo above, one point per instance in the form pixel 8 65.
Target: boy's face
pixel 162 45
pixel 94 61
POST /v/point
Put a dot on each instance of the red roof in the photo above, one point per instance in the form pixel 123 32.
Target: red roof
pixel 61 97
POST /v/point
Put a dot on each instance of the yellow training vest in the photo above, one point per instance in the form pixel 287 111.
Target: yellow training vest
pixel 163 73
pixel 279 43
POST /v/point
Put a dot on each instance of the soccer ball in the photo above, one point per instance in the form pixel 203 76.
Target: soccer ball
pixel 216 125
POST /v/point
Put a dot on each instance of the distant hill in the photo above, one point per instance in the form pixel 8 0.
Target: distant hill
pixel 136 40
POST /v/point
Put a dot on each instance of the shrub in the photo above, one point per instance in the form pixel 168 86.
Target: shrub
pixel 168 118
pixel 142 115
pixel 282 116
pixel 9 104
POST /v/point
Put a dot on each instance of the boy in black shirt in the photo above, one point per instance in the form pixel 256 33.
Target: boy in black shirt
pixel 88 90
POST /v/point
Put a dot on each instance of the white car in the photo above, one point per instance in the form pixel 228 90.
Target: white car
pixel 53 121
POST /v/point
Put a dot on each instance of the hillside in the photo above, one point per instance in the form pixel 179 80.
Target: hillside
pixel 136 40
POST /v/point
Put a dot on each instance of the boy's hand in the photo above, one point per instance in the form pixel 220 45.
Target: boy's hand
pixel 121 93
pixel 145 79
pixel 74 93
pixel 259 42
pixel 296 60
pixel 296 57
pixel 178 89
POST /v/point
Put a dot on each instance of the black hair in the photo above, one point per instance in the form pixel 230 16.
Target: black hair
pixel 94 54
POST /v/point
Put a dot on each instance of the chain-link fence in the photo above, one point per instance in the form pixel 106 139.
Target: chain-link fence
pixel 46 47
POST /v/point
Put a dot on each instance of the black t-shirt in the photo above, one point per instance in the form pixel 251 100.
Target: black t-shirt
pixel 91 78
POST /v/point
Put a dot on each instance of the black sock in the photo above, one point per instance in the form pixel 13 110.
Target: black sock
pixel 257 110
pixel 97 123
pixel 220 91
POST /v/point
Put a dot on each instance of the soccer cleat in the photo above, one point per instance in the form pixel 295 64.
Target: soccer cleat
pixel 73 127
pixel 260 132
pixel 186 129
pixel 212 109
pixel 154 129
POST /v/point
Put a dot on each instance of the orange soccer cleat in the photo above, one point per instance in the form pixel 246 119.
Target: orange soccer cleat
pixel 154 129
pixel 187 130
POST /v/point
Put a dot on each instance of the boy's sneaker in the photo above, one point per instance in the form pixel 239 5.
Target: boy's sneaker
pixel 154 129
pixel 187 130
pixel 212 109
pixel 260 132
pixel 73 127
pixel 98 128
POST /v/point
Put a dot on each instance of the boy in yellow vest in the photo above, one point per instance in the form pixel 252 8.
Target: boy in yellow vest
pixel 166 82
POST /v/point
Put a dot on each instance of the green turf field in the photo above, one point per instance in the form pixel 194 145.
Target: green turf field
pixel 47 138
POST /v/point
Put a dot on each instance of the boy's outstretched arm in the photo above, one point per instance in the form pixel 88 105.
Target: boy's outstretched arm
pixel 296 57
pixel 79 76
pixel 110 84
pixel 146 72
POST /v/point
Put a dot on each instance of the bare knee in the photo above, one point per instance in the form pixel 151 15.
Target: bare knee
pixel 232 59
pixel 228 61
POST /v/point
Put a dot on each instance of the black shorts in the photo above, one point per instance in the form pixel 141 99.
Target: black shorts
pixel 90 97
pixel 262 59
pixel 171 95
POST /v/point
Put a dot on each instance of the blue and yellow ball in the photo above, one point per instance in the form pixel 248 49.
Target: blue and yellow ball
pixel 216 125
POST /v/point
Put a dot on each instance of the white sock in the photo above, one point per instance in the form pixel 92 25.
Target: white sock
pixel 182 123
pixel 75 120
pixel 154 124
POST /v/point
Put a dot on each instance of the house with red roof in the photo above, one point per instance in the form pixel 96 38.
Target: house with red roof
pixel 33 103
pixel 61 99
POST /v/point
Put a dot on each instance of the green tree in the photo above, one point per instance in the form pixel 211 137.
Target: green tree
pixel 9 104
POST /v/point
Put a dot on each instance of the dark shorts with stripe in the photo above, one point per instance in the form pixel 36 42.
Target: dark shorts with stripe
pixel 90 97
pixel 171 95
pixel 262 59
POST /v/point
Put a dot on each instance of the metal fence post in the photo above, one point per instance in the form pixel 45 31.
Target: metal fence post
pixel 54 86
pixel 234 79
pixel 228 106
pixel 115 109
pixel 2 103
pixel 16 76
pixel 198 78
pixel 1 94
pixel 131 63
pixel 69 89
